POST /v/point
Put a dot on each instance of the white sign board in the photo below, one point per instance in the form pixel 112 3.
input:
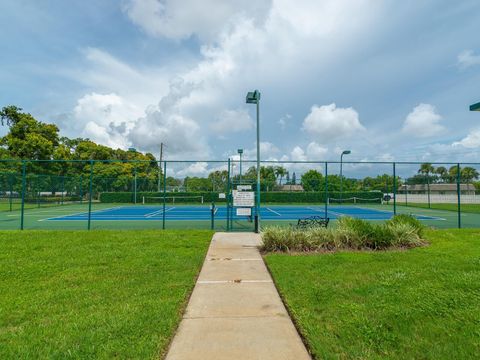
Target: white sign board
pixel 243 198
pixel 221 196
pixel 244 187
pixel 244 212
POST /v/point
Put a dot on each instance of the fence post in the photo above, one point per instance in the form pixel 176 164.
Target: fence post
pixel 428 190
pixel 406 192
pixel 394 190
pixel 81 189
pixel 228 196
pixel 326 189
pixel 63 186
pixel 24 188
pixel 164 193
pixel 459 211
pixel 135 184
pixel 10 186
pixel 90 195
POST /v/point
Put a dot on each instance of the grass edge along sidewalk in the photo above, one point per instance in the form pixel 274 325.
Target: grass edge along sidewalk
pixel 99 294
pixel 417 303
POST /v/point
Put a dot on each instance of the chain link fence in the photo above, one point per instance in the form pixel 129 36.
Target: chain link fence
pixel 121 194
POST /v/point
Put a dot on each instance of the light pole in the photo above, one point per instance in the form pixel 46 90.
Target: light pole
pixel 344 152
pixel 240 152
pixel 253 97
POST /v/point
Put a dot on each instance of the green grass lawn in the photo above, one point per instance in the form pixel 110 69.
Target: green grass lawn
pixel 98 294
pixel 422 303
pixel 468 208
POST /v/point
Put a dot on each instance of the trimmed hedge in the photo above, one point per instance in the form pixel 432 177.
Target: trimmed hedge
pixel 312 197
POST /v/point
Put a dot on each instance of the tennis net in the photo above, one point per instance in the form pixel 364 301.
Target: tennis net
pixel 173 199
pixel 355 200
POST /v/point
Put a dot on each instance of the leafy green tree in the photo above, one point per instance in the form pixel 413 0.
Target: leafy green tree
pixel 219 179
pixel 28 138
pixel 312 180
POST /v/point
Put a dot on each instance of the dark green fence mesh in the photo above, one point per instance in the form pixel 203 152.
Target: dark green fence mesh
pixel 94 194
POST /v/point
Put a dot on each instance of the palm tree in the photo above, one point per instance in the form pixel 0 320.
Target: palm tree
pixel 468 174
pixel 280 172
pixel 442 172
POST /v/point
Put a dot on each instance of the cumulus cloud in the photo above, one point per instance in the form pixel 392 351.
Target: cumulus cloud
pixel 467 58
pixel 189 105
pixel 104 118
pixel 167 124
pixel 423 121
pixel 232 121
pixel 471 141
pixel 181 19
pixel 329 123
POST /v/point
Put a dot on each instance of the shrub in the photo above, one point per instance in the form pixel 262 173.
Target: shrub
pixel 350 233
pixel 408 219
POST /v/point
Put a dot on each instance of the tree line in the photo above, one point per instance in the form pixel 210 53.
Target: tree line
pixel 28 138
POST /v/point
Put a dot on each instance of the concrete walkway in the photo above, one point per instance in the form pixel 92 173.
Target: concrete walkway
pixel 235 312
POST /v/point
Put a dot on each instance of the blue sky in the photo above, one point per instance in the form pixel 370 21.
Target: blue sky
pixel 389 80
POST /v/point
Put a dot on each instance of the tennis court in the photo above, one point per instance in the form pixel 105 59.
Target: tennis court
pixel 199 212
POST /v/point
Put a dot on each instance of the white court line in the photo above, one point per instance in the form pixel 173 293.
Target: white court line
pixel 323 211
pixel 149 215
pixel 80 213
pixel 273 211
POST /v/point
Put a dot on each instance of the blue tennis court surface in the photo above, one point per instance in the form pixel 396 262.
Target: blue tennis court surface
pixel 191 213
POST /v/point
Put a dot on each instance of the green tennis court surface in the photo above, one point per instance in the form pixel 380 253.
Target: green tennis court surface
pixel 130 216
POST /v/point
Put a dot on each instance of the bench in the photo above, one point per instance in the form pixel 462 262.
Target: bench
pixel 312 221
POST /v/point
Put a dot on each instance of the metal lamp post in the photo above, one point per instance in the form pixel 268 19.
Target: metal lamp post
pixel 240 152
pixel 253 97
pixel 345 152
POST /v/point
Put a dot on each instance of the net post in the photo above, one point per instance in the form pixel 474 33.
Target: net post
pixel 459 210
pixel 24 187
pixel 164 192
pixel 394 189
pixel 326 189
pixel 90 187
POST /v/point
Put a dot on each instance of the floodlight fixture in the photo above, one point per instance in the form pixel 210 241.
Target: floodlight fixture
pixel 475 107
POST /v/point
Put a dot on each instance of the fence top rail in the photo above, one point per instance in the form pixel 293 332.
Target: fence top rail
pixel 237 160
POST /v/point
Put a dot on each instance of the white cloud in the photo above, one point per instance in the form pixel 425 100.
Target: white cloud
pixel 181 19
pixel 316 152
pixel 196 169
pixel 329 123
pixel 103 118
pixel 423 122
pixel 232 121
pixel 238 47
pixel 471 141
pixel 467 58
pixel 284 121
pixel 268 151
